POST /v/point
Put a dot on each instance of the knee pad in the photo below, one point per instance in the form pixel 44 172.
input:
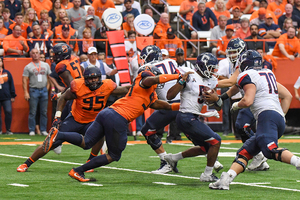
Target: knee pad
pixel 275 151
pixel 154 141
pixel 240 162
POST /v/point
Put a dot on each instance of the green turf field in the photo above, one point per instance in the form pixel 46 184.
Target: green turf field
pixel 130 178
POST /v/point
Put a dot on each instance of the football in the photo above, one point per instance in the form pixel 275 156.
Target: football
pixel 207 90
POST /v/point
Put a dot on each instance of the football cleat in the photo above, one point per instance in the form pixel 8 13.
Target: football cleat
pixel 90 170
pixel 50 139
pixel 257 161
pixel 263 167
pixel 57 150
pixel 208 178
pixel 22 168
pixel 218 166
pixel 164 168
pixel 79 177
pixel 171 162
pixel 222 183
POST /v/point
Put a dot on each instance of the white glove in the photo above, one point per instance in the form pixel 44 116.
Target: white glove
pixel 234 107
pixel 210 114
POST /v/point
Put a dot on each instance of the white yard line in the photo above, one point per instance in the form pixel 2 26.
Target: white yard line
pixel 146 172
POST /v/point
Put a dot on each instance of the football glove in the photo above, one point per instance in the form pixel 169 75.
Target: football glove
pixel 234 107
pixel 56 122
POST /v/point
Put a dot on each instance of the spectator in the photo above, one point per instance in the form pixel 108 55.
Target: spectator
pixel 287 45
pixel 211 4
pixel 288 14
pixel 245 6
pixel 128 25
pixel 265 64
pixel 165 54
pixel 3 34
pixel 56 6
pixel 288 22
pixel 66 4
pixel 97 22
pixel 14 6
pixel 25 5
pixel 87 41
pixel 36 73
pixel 2 6
pixel 89 21
pixel 236 18
pixel 105 70
pixel 296 9
pixel 171 43
pixel 217 32
pixel 7 96
pixel 148 10
pixel 135 4
pixel 223 42
pixel 101 45
pixel 244 31
pixel 220 9
pixel 38 41
pixel 14 44
pixel 187 9
pixel 76 14
pixel 26 30
pixel 129 10
pixel 160 30
pixel 269 30
pixel 45 17
pixel 101 5
pixel 6 19
pixel 131 52
pixel 45 30
pixel 263 11
pixel 30 17
pixel 65 37
pixel 58 29
pixel 277 7
pixel 201 22
pixel 83 58
pixel 39 5
pixel 252 42
pixel 261 18
pixel 179 55
pixel 60 17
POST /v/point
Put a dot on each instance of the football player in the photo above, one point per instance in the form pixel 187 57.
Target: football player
pixel 262 94
pixel 112 122
pixel 90 96
pixel 191 88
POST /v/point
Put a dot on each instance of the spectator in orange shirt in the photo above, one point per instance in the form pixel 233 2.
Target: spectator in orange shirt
pixel 211 4
pixel 220 9
pixel 3 34
pixel 223 42
pixel 15 44
pixel 245 6
pixel 236 18
pixel 26 30
pixel 45 29
pixel 30 17
pixel 171 43
pixel 101 5
pixel 87 42
pixel 128 25
pixel 65 38
pixel 287 45
pixel 59 18
pixel 39 5
pixel 187 9
pixel 244 31
pixel 160 31
pixel 58 29
pixel 277 7
pixel 65 4
pixel 45 17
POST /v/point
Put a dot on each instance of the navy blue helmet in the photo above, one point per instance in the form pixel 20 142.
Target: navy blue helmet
pixel 250 59
pixel 150 68
pixel 92 72
pixel 151 53
pixel 206 63
pixel 235 48
pixel 61 52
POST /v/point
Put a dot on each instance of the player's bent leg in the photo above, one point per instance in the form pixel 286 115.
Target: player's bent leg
pixel 95 151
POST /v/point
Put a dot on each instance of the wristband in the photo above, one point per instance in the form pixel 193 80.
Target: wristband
pixel 181 82
pixel 53 89
pixel 175 106
pixel 58 95
pixel 224 96
pixel 219 102
pixel 58 114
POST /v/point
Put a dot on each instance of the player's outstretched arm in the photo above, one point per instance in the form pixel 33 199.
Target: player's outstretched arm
pixel 163 78
pixel 229 82
pixel 175 89
pixel 285 96
pixel 120 90
pixel 163 105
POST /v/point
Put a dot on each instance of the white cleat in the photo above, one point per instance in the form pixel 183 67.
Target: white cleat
pixel 257 161
pixel 57 150
pixel 263 167
pixel 218 166
pixel 164 168
pixel 208 178
pixel 222 183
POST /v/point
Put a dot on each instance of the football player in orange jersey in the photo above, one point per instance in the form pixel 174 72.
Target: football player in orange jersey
pixel 112 122
pixel 90 96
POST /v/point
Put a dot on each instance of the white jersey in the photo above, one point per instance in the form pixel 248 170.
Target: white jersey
pixel 191 100
pixel 167 66
pixel 266 96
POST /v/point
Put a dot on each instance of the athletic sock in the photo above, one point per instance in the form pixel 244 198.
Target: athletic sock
pixel 71 137
pixel 232 174
pixel 162 155
pixel 92 156
pixel 29 161
pixel 98 161
pixel 177 156
pixel 294 160
pixel 208 170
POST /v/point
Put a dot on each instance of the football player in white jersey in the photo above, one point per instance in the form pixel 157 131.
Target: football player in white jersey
pixel 191 88
pixel 262 94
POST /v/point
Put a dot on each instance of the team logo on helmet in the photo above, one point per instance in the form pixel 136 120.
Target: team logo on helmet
pixel 64 48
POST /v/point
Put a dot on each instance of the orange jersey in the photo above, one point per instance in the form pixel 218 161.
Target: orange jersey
pixel 223 42
pixel 100 7
pixel 278 10
pixel 89 103
pixel 72 65
pixel 125 26
pixel 70 5
pixel 25 29
pixel 171 45
pixel 161 29
pixel 255 15
pixel 210 5
pixel 39 6
pixel 174 2
pixel 241 34
pixel 291 46
pixel 186 5
pixel 11 42
pixel 137 100
pixel 242 4
pixel 225 13
pixel 58 31
pixel 3 34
